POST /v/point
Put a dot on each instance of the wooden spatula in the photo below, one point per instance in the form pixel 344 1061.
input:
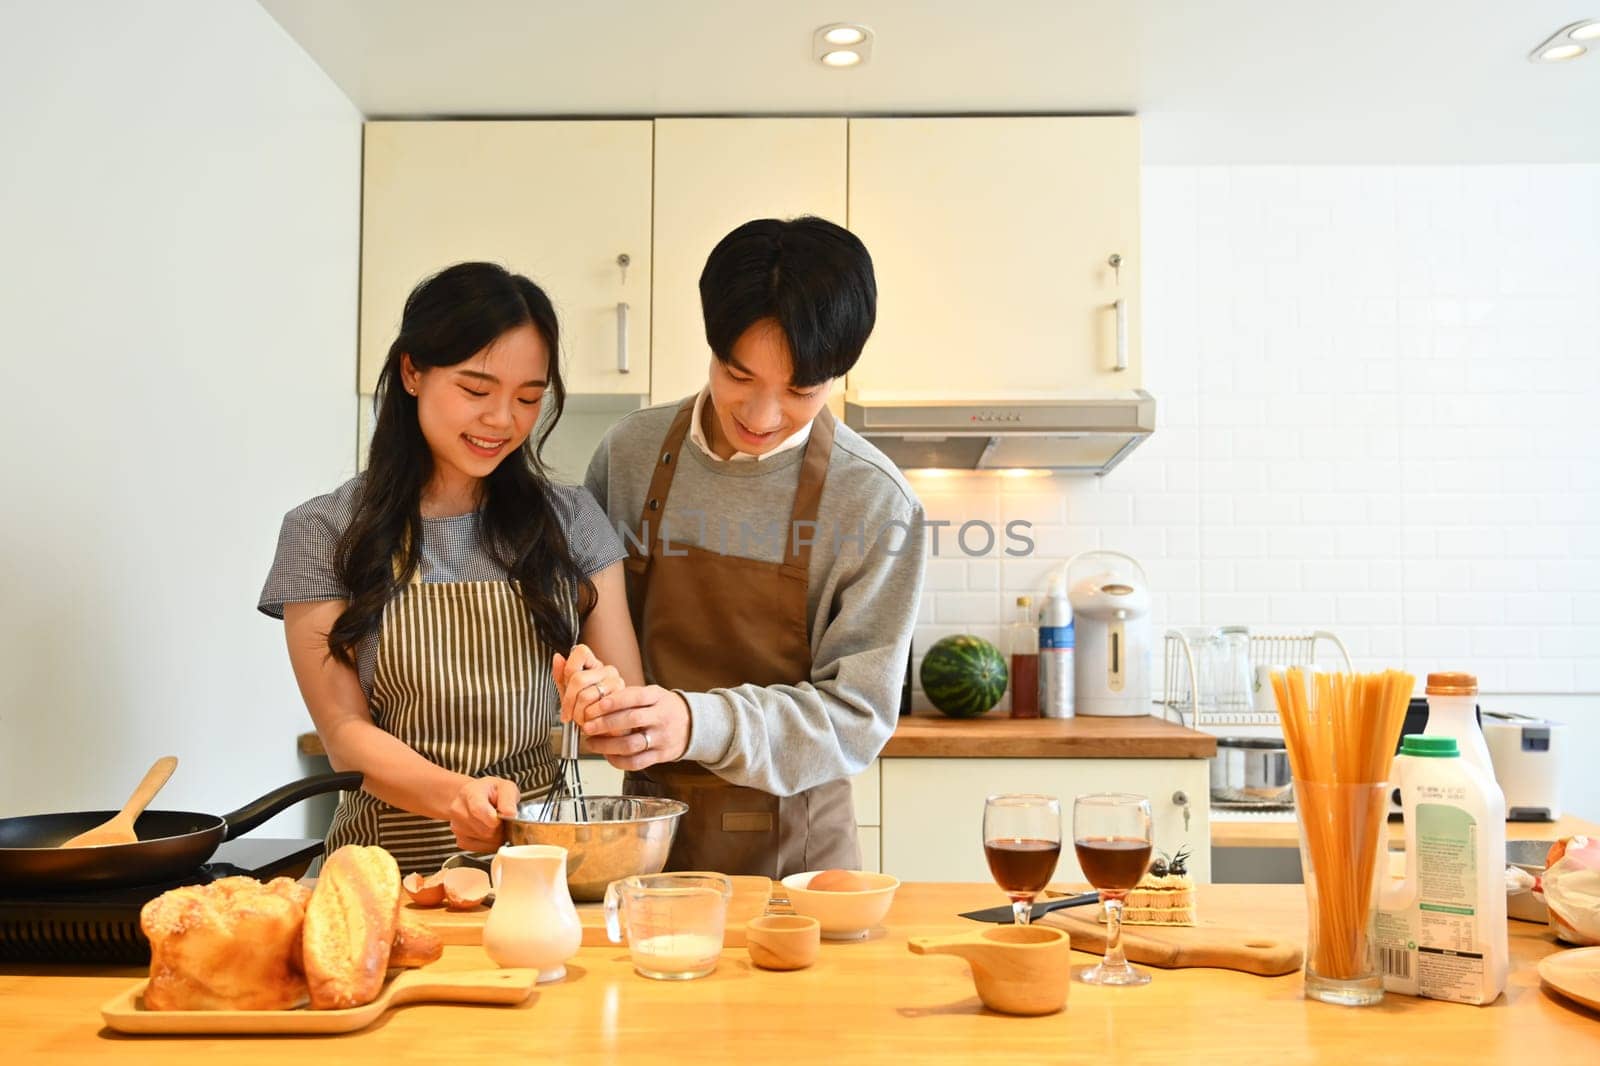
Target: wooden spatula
pixel 119 828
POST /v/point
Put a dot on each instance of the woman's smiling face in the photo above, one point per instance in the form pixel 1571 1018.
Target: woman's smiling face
pixel 755 408
pixel 479 411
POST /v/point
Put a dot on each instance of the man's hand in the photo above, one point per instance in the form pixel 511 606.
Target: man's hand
pixel 632 726
pixel 638 727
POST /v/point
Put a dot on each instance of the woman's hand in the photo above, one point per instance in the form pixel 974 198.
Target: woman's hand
pixel 583 680
pixel 476 811
pixel 638 727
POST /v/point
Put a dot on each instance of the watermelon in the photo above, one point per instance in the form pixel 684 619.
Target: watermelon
pixel 963 676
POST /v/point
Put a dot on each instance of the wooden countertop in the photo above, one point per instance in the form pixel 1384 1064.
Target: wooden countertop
pixel 928 734
pixel 998 736
pixel 866 1001
pixel 1285 833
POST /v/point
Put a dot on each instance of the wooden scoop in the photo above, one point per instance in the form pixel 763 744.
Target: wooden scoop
pixel 1017 969
pixel 118 829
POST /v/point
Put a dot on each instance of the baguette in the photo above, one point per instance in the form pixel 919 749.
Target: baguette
pixel 350 927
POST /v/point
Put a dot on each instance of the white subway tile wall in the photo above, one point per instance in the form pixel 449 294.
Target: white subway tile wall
pixel 1378 401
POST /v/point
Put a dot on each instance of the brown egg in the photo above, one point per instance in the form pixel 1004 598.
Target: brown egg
pixel 839 881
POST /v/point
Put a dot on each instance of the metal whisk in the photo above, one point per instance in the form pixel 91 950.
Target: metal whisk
pixel 568 785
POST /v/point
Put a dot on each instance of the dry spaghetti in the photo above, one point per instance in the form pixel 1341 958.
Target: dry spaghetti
pixel 1341 731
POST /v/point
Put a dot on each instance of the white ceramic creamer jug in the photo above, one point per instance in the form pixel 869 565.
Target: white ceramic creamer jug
pixel 533 922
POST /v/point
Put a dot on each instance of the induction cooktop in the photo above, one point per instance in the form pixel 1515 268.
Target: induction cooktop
pixel 102 925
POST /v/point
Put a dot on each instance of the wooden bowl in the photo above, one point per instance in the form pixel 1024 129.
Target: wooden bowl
pixel 783 941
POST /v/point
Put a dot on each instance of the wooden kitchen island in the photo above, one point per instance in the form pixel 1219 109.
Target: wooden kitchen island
pixel 870 1001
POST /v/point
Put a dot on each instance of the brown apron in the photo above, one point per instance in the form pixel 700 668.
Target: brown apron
pixel 707 620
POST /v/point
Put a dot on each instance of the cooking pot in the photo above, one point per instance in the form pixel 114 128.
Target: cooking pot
pixel 1251 770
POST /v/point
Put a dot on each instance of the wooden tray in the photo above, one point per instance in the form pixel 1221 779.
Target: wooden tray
pixel 1575 973
pixel 750 895
pixel 1178 947
pixel 127 1014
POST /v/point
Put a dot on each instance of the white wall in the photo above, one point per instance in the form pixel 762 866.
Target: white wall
pixel 1379 413
pixel 179 212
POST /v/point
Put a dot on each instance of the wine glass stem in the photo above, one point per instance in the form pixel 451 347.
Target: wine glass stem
pixel 1114 959
pixel 1022 910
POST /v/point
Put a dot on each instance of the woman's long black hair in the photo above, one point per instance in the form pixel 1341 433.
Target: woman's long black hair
pixel 449 318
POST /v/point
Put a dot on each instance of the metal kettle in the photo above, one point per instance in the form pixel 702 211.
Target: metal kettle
pixel 1110 598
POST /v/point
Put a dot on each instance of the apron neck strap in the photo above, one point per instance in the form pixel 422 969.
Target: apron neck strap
pixel 399 561
pixel 808 494
pixel 807 497
pixel 655 497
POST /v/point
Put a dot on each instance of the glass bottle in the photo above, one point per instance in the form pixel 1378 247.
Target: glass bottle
pixel 1022 644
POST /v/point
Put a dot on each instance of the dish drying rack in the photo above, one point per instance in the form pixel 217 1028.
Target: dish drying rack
pixel 1181 676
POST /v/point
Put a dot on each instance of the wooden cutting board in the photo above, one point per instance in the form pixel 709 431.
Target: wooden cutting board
pixel 127 1014
pixel 1179 947
pixel 750 895
pixel 1575 973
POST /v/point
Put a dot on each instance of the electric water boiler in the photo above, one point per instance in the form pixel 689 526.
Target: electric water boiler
pixel 1110 599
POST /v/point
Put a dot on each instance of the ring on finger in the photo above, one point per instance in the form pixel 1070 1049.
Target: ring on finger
pixel 600 688
pixel 646 739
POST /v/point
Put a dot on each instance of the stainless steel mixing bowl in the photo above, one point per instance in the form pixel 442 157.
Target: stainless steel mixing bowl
pixel 606 837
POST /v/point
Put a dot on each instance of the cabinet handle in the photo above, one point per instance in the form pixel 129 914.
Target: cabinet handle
pixel 622 338
pixel 1121 307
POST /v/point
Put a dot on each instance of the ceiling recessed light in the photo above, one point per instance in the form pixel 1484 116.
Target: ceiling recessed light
pixel 841 44
pixel 1562 51
pixel 1558 47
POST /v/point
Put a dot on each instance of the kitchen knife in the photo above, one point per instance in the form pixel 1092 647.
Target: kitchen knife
pixel 1005 916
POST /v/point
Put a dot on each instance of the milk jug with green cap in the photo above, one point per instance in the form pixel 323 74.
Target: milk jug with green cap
pixel 1442 930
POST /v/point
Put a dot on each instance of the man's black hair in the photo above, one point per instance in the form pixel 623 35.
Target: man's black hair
pixel 812 277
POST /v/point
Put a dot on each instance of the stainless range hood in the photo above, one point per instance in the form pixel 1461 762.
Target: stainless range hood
pixel 1072 435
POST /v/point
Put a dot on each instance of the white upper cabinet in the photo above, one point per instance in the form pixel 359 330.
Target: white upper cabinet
pixel 712 175
pixel 557 201
pixel 993 240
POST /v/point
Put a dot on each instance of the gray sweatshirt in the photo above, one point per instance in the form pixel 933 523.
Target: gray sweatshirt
pixel 866 575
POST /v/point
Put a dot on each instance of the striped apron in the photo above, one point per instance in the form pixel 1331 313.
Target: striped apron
pixel 463 678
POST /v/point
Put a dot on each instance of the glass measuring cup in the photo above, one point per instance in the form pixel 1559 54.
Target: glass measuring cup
pixel 673 922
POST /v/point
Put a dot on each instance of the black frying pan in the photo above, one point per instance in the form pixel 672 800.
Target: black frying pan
pixel 171 843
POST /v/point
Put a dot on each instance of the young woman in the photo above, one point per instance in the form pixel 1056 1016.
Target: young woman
pixel 423 601
pixel 775 565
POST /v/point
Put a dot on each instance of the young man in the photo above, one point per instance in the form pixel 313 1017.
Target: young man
pixel 775 563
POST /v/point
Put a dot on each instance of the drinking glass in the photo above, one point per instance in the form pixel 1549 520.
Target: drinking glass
pixel 1022 841
pixel 1111 832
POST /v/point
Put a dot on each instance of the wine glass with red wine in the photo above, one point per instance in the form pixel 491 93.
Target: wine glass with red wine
pixel 1022 841
pixel 1111 832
